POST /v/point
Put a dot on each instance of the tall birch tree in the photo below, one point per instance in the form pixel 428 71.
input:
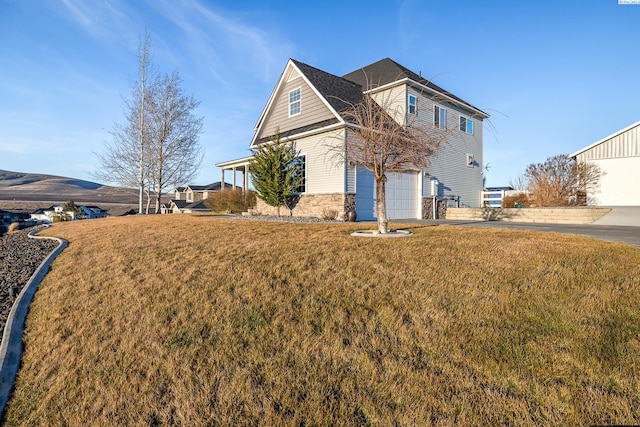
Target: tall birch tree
pixel 174 131
pixel 157 144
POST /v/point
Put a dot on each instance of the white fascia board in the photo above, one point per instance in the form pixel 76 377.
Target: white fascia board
pixel 277 90
pixel 613 135
pixel 236 162
pixel 310 132
pixel 411 82
pixel 267 107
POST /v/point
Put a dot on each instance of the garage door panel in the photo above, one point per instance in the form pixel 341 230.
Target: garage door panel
pixel 402 195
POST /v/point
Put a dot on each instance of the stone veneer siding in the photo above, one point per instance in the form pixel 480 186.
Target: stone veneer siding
pixel 313 205
pixel 427 208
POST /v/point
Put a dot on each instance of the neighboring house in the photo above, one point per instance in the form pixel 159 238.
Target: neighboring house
pixel 492 196
pixel 191 198
pixel 92 212
pixel 48 215
pixel 182 206
pixel 618 156
pixel 7 217
pixel 308 106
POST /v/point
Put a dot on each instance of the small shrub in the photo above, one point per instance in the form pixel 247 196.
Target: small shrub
pixel 520 198
pixel 329 214
pixel 14 227
pixel 231 201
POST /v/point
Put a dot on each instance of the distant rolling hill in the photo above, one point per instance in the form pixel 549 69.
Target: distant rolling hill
pixel 32 187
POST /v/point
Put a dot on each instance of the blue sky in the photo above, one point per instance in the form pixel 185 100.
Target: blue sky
pixel 555 76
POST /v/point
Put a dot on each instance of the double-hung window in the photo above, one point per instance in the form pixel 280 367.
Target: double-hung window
pixel 439 117
pixel 294 102
pixel 466 125
pixel 413 105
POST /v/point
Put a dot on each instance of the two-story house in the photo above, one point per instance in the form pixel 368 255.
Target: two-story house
pixel 190 199
pixel 309 106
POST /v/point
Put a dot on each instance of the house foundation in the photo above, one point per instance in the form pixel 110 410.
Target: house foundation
pixel 325 206
pixel 428 211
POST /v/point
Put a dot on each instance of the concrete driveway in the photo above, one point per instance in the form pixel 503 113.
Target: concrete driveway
pixel 614 233
pixel 622 224
pixel 621 215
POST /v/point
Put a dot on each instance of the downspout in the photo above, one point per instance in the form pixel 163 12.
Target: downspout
pixel 434 195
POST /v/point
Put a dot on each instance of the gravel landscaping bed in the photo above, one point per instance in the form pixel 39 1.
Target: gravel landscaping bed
pixel 20 256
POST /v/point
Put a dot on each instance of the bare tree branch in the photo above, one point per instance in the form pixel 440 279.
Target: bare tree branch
pixel 383 138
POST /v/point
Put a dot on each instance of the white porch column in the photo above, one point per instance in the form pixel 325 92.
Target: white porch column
pixel 222 186
pixel 246 177
pixel 234 177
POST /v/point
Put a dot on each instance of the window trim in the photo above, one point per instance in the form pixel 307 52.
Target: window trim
pixel 414 105
pixel 304 174
pixel 298 101
pixel 438 121
pixel 468 123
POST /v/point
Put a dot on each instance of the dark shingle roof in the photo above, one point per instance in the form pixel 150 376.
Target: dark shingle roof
pixel 210 187
pixel 296 131
pixel 388 71
pixel 339 93
pixel 194 206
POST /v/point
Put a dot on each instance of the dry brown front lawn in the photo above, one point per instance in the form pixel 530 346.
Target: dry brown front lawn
pixel 174 320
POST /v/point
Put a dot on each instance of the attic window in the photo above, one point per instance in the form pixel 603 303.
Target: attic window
pixel 413 104
pixel 294 102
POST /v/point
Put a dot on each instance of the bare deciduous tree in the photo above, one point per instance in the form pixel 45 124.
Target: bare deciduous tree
pixel 174 130
pixel 124 160
pixel 157 145
pixel 384 138
pixel 560 180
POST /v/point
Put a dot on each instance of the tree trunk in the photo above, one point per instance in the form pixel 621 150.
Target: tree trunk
pixel 158 194
pixel 381 205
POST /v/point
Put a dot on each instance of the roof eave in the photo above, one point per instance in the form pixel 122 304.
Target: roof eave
pixel 613 135
pixel 408 80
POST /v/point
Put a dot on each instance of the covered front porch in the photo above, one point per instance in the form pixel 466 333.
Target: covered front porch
pixel 235 166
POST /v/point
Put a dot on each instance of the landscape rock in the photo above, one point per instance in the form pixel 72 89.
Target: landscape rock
pixel 20 256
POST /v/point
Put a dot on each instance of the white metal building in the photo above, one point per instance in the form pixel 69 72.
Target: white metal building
pixel 618 155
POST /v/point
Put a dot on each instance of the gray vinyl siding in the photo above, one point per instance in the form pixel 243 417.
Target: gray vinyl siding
pixel 325 172
pixel 449 164
pixel 394 100
pixel 626 144
pixel 312 109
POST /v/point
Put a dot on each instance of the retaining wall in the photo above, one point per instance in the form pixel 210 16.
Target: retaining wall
pixel 575 215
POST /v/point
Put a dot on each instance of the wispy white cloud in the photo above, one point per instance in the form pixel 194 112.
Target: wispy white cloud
pixel 222 42
pixel 109 21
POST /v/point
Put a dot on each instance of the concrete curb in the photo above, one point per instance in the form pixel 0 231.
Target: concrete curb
pixel 11 347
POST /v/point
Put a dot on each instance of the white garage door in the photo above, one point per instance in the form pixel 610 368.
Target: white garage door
pixel 401 195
